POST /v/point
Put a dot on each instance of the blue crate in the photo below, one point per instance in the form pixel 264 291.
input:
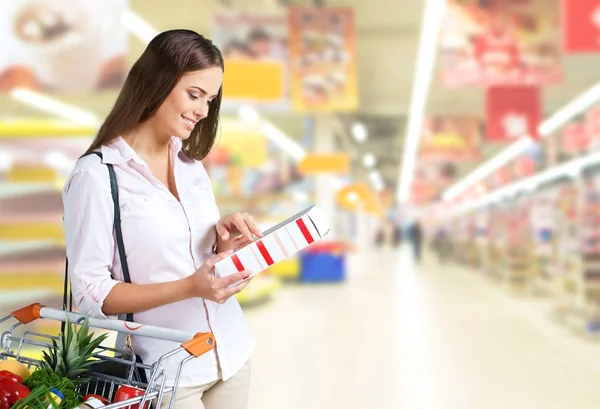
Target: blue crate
pixel 322 265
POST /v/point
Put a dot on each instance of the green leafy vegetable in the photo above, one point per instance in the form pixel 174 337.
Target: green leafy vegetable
pixel 45 379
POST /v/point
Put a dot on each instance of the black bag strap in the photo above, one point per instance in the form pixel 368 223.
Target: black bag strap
pixel 114 190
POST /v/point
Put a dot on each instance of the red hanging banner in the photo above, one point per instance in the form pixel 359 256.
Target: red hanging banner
pixel 581 26
pixel 512 112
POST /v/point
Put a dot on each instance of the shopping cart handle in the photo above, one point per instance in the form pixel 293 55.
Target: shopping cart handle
pixel 200 344
pixel 28 314
pixel 195 344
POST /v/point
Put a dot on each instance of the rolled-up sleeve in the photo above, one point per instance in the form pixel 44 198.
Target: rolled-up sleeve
pixel 88 225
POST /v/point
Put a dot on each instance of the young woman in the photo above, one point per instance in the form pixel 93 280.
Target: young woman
pixel 163 123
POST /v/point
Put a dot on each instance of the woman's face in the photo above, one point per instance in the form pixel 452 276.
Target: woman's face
pixel 189 102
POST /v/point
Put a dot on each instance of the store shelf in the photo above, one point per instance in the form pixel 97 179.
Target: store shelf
pixel 15 190
pixel 286 269
pixel 32 265
pixel 260 289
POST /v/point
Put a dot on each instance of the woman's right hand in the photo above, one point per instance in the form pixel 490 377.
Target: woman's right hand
pixel 206 285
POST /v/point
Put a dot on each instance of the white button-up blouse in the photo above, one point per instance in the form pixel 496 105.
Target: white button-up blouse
pixel 165 239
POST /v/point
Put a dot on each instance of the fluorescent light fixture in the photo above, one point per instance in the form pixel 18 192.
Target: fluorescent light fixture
pixel 58 160
pixel 376 180
pixel 374 175
pixel 379 186
pixel 359 132
pixel 579 104
pixel 138 26
pixel 369 160
pixel 279 138
pixel 6 161
pixel 248 114
pixel 52 106
pixel 432 20
pixel 508 154
pixel 568 169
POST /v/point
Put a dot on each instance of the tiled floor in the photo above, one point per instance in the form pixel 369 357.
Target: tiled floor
pixel 398 336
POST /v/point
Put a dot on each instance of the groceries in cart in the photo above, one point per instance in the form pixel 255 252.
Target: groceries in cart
pixel 76 370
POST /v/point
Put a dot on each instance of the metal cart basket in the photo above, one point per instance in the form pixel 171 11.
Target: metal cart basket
pixel 17 347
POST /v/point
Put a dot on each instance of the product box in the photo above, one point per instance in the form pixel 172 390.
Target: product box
pixel 279 242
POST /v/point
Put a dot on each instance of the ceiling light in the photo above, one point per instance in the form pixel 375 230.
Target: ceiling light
pixel 369 160
pixel 6 162
pixel 579 104
pixel 378 185
pixel 374 175
pixel 432 21
pixel 276 136
pixel 376 180
pixel 248 114
pixel 52 106
pixel 138 26
pixel 353 197
pixel 359 132
pixel 508 154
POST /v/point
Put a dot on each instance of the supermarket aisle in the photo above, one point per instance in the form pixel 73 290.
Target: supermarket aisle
pixel 398 336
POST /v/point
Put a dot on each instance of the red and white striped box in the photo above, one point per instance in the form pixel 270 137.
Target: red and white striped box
pixel 279 242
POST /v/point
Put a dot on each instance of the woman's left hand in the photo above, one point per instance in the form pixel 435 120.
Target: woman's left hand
pixel 235 230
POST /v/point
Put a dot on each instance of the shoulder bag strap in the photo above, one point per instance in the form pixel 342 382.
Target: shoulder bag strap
pixel 114 190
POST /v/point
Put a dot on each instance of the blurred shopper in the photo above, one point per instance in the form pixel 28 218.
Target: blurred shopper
pixel 397 234
pixel 441 245
pixel 163 123
pixel 415 234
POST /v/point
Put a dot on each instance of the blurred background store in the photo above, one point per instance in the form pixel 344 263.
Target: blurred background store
pixel 452 145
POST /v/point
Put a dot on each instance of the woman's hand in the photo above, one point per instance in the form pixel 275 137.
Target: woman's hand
pixel 236 230
pixel 206 285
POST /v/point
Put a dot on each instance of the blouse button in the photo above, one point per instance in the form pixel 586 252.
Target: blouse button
pixel 147 199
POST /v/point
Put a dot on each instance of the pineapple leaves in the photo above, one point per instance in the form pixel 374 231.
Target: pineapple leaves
pixel 72 355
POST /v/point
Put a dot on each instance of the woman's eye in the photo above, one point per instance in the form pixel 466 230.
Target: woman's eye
pixel 193 97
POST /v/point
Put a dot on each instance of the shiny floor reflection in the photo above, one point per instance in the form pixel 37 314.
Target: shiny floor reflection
pixel 397 335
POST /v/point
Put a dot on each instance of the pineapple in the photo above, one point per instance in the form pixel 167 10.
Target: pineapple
pixel 72 355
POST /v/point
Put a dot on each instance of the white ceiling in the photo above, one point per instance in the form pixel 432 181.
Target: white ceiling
pixel 387 40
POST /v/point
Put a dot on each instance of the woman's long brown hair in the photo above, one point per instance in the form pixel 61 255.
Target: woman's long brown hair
pixel 152 78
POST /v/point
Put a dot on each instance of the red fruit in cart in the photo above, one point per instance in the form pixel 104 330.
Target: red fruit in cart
pixel 13 390
pixel 11 376
pixel 19 392
pixel 4 398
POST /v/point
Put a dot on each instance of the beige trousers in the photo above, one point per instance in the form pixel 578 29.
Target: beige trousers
pixel 232 394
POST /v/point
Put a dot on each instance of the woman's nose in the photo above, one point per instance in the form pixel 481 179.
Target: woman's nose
pixel 201 113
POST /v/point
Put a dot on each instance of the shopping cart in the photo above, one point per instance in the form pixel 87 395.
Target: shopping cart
pixel 18 347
